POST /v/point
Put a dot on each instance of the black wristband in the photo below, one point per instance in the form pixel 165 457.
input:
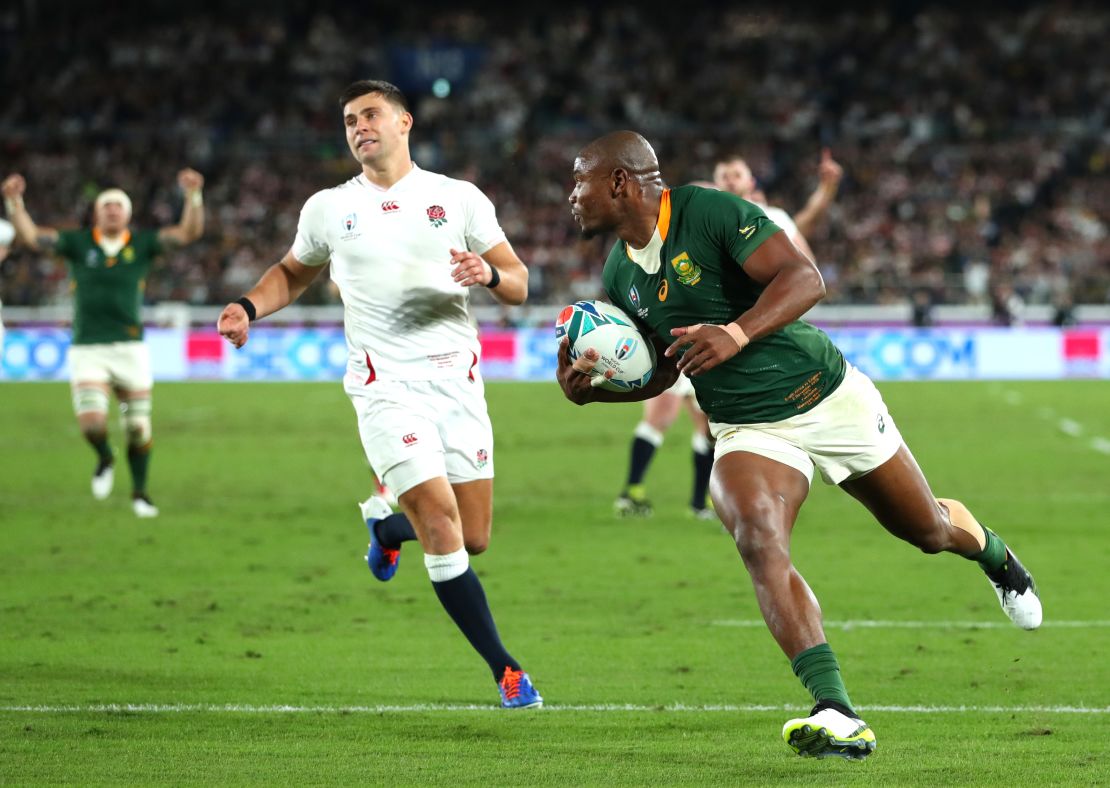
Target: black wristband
pixel 494 278
pixel 248 307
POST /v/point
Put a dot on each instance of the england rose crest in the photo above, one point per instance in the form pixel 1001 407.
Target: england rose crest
pixel 436 215
pixel 481 458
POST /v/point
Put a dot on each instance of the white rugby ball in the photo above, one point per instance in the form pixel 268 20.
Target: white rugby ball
pixel 619 344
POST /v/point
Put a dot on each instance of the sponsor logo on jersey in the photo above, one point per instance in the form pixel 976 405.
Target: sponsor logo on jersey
pixel 689 272
pixel 437 216
pixel 409 439
pixel 634 297
pixel 481 458
pixel 663 290
pixel 389 206
pixel 748 231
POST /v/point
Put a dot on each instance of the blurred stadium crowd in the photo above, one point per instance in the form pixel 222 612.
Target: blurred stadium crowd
pixel 974 141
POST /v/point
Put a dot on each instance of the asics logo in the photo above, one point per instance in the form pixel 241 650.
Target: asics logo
pixel 409 439
pixel 389 206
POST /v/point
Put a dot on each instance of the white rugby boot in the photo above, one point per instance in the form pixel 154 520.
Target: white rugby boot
pixel 1017 593
pixel 830 730
pixel 102 480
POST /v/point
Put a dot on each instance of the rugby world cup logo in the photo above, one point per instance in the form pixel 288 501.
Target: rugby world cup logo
pixel 626 347
pixel 634 297
pixel 350 221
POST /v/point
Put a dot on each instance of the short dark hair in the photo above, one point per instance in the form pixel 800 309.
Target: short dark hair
pixel 388 91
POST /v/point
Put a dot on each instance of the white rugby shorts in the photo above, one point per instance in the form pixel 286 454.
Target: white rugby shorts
pixel 121 365
pixel 416 430
pixel 847 435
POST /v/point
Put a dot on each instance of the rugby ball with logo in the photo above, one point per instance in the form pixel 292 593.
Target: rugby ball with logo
pixel 619 344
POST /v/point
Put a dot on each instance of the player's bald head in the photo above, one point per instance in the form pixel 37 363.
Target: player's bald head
pixel 624 150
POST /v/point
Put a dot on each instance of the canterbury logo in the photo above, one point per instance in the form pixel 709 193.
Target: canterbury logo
pixel 389 206
pixel 409 439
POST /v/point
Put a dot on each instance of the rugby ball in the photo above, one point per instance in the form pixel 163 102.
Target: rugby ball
pixel 619 344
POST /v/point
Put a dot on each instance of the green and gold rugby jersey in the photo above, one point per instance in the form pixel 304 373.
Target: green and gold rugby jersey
pixel 692 271
pixel 107 289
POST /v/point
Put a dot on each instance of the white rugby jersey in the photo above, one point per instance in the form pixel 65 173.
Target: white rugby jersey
pixel 782 219
pixel 405 318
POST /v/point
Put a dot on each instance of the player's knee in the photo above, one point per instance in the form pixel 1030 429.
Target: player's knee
pixel 89 403
pixel 758 528
pixel 135 414
pixel 476 545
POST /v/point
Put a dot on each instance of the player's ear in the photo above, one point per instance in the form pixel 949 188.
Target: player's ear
pixel 406 120
pixel 618 181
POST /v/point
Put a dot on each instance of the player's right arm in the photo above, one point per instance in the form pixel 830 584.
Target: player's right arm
pixel 580 387
pixel 280 286
pixel 29 234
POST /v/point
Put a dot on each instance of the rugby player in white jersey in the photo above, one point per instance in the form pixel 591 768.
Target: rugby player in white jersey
pixel 404 246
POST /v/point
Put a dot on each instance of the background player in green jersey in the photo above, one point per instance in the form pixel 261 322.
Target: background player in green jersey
pixel 713 274
pixel 108 265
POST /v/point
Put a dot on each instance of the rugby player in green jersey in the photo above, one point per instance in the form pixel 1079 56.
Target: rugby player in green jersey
pixel 108 266
pixel 710 274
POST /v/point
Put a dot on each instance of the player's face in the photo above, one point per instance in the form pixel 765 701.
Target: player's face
pixel 591 201
pixel 734 176
pixel 112 217
pixel 376 128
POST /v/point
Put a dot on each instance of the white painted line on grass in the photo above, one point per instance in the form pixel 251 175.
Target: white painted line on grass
pixel 420 708
pixel 871 624
pixel 1070 427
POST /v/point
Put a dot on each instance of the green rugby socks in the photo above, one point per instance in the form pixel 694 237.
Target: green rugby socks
pixel 993 556
pixel 820 673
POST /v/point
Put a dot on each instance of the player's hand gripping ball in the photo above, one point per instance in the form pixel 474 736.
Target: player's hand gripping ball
pixel 619 344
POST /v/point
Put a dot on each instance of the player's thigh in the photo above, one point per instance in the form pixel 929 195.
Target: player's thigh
pixel 475 501
pixel 129 367
pixel 465 430
pixel 899 497
pixel 90 384
pixel 757 499
pixel 661 411
pixel 399 435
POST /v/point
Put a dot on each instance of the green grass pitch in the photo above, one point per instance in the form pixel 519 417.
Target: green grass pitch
pixel 250 593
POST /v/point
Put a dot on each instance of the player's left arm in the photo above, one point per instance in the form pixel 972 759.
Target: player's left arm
pixel 191 226
pixel 829 173
pixel 498 269
pixel 792 285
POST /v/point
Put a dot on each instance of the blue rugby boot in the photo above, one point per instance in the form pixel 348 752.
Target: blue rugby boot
pixel 517 691
pixel 381 560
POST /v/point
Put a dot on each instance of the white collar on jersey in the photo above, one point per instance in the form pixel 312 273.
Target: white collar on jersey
pixel 648 257
pixel 364 181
